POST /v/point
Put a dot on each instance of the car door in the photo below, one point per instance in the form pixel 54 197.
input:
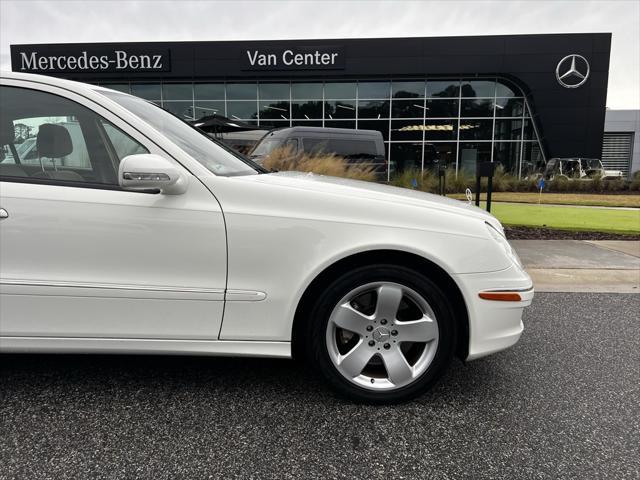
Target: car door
pixel 81 257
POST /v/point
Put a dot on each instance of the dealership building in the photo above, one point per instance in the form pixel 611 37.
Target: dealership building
pixel 513 99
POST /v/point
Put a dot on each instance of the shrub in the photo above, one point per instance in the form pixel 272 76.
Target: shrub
pixel 635 182
pixel 284 159
pixel 412 178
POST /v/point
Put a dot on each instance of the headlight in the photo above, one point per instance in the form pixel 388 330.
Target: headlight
pixel 500 238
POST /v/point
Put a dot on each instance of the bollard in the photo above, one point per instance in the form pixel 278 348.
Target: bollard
pixel 484 169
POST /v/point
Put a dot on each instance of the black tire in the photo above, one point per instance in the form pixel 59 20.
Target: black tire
pixel 316 344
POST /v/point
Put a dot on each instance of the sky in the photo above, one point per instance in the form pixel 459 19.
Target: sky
pixel 51 21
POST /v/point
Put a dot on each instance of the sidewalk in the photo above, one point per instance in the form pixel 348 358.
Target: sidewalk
pixel 610 266
pixel 601 207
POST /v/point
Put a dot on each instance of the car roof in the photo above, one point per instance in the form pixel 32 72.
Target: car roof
pixel 290 131
pixel 57 82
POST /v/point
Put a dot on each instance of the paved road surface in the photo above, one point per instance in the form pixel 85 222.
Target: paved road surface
pixel 563 403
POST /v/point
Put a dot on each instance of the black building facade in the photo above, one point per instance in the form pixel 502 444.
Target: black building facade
pixel 514 99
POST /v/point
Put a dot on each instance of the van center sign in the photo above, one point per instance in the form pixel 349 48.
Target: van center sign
pixel 54 60
pixel 295 58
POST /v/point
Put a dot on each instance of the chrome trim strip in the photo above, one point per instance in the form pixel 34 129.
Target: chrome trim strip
pixel 244 296
pixel 112 286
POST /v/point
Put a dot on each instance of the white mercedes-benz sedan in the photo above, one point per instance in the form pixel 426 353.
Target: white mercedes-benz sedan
pixel 126 230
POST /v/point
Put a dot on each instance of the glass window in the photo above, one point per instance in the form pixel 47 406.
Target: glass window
pixel 340 109
pixel 471 154
pixel 340 90
pixel 509 107
pixel 306 91
pixel 508 129
pixel 276 110
pixel 273 91
pixel 507 154
pixel 241 91
pixel 122 143
pixel 441 108
pixel 373 109
pixel 351 124
pixel 381 126
pixel 406 130
pixel 177 91
pixel 529 133
pixel 532 158
pixel 240 110
pixel 407 89
pixel 478 88
pixel 66 142
pixel 347 147
pixel 273 123
pixel 120 87
pixel 407 108
pixel 184 110
pixel 505 89
pixel 476 129
pixel 406 156
pixel 443 88
pixel 477 107
pixel 374 90
pixel 446 152
pixel 306 123
pixel 209 91
pixel 205 108
pixel 308 110
pixel 217 158
pixel 441 129
pixel 148 91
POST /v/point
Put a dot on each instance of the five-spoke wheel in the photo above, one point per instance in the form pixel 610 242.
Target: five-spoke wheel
pixel 382 333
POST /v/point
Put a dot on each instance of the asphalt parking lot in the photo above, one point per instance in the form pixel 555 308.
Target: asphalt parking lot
pixel 563 403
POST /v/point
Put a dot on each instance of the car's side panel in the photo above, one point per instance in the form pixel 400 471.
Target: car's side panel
pixel 144 346
pixel 92 262
pixel 281 239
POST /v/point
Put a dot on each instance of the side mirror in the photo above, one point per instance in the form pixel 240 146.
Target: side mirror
pixel 151 172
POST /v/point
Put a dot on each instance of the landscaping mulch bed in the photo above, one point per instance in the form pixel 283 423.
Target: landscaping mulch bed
pixel 534 233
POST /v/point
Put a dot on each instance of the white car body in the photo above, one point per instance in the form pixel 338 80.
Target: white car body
pixel 221 269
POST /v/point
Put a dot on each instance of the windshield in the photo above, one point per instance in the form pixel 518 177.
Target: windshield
pixel 215 157
pixel 266 146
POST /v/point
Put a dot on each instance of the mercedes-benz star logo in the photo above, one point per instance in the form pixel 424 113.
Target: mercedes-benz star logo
pixel 572 71
pixel 381 334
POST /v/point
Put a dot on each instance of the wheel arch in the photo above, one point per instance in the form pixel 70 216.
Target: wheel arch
pixel 384 256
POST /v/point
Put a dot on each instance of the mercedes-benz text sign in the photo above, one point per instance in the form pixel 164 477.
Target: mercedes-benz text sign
pixel 89 61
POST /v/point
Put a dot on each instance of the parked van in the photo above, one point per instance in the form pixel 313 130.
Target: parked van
pixel 365 147
pixel 242 141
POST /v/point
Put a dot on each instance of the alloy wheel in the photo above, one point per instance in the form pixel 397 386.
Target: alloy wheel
pixel 382 336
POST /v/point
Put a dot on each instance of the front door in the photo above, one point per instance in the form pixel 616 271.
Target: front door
pixel 80 257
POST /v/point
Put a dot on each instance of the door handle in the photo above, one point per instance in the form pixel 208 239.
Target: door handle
pixel 3 213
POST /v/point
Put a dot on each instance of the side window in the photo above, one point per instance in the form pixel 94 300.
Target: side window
pixel 314 145
pixel 50 139
pixel 122 143
pixel 349 148
pixel 291 143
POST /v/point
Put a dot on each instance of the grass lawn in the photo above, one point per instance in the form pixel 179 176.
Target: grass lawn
pixel 568 218
pixel 589 199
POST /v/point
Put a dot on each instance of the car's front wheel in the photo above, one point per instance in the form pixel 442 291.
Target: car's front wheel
pixel 382 334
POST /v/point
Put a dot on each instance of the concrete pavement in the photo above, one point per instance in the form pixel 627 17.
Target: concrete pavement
pixel 607 266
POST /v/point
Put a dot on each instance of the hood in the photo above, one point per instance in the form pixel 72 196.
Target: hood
pixel 373 191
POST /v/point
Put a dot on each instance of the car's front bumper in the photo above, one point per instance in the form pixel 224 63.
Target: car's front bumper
pixel 494 325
